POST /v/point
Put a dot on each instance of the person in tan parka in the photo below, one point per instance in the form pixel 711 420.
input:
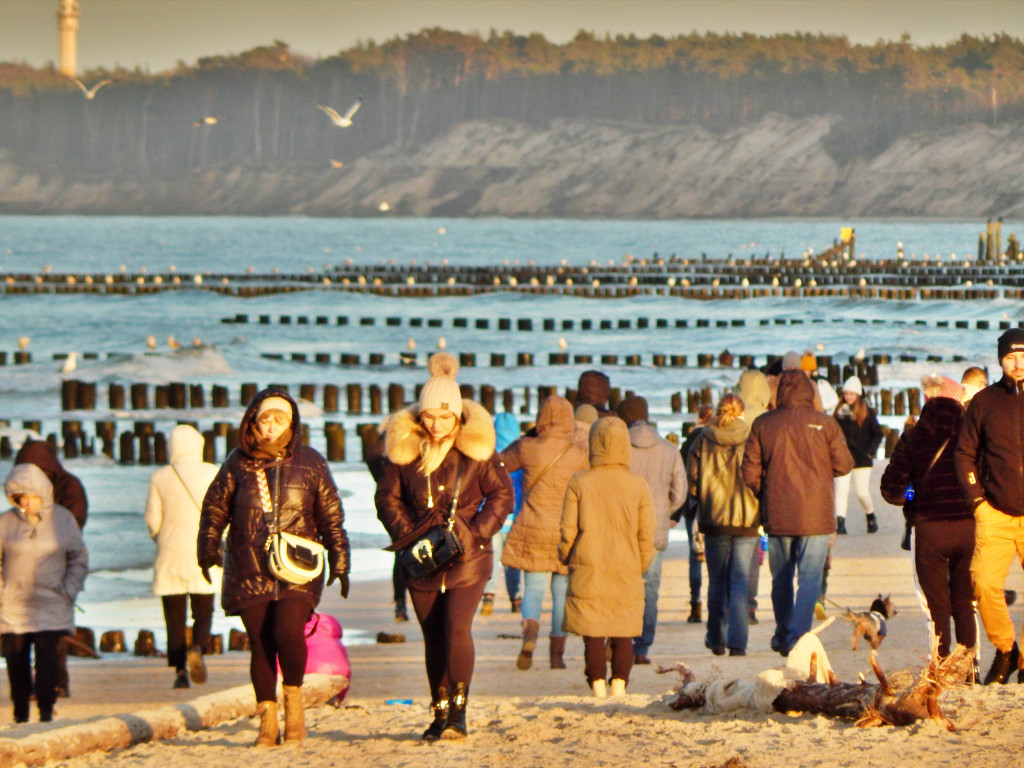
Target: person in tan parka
pixel 607 540
pixel 548 461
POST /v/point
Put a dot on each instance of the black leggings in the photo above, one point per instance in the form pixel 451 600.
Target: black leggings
pixel 942 555
pixel 17 650
pixel 446 619
pixel 276 636
pixel 594 657
pixel 174 618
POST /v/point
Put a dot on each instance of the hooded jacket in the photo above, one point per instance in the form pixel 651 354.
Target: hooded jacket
pixel 68 491
pixel 791 459
pixel 594 389
pixel 44 563
pixel 506 432
pixel 301 485
pixel 937 494
pixel 658 462
pixel 989 453
pixel 755 392
pixel 408 502
pixel 607 538
pixel 173 507
pixel 548 461
pixel 725 505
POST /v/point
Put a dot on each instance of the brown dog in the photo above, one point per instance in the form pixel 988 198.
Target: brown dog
pixel 871 623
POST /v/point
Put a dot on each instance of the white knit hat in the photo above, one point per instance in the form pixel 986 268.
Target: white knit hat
pixel 274 403
pixel 853 384
pixel 441 392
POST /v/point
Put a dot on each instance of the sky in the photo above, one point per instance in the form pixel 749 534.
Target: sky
pixel 155 35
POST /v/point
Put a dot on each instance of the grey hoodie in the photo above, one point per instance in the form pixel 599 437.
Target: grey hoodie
pixel 658 461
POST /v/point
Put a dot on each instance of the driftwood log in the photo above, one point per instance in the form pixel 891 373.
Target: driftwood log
pixel 869 704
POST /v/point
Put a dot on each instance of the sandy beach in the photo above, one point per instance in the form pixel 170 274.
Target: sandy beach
pixel 542 717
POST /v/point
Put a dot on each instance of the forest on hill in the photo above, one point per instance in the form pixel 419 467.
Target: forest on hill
pixel 257 111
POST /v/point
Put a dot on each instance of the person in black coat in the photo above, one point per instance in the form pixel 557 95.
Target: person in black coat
pixel 271 480
pixel 863 436
pixel 943 521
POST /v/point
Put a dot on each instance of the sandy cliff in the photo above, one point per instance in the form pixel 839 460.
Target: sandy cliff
pixel 777 167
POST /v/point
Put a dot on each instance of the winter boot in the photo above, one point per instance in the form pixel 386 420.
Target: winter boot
pixel 694 617
pixel 617 687
pixel 455 728
pixel 439 705
pixel 1003 663
pixel 267 710
pixel 556 650
pixel 599 688
pixel 294 713
pixel 531 627
pixel 517 604
pixel 196 664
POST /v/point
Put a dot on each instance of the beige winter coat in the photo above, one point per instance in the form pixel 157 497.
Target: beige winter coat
pixel 532 544
pixel 607 532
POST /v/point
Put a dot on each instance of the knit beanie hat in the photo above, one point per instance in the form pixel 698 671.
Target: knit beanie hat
pixel 632 409
pixel 808 362
pixel 274 403
pixel 853 384
pixel 586 413
pixel 441 392
pixel 1011 341
pixel 791 361
pixel 941 386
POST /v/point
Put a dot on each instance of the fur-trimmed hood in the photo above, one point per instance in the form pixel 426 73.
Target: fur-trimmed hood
pixel 404 434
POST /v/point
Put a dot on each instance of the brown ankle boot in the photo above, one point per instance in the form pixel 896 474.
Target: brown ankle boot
pixel 294 713
pixel 694 617
pixel 556 650
pixel 531 627
pixel 267 710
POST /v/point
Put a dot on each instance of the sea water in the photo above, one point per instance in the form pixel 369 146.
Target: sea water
pixel 118 591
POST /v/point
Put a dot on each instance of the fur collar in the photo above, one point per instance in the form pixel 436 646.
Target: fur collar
pixel 404 433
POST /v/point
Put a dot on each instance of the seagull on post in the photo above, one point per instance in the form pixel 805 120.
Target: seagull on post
pixel 342 121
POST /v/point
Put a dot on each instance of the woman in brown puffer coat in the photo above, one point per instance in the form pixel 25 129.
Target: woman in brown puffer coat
pixel 548 460
pixel 271 475
pixel 607 540
pixel 442 444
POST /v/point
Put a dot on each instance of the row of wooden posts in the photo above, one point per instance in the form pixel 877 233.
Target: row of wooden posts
pixel 77 395
pixel 146 445
pixel 551 324
pixel 83 643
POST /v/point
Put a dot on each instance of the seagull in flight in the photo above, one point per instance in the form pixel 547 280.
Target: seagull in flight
pixel 342 121
pixel 90 93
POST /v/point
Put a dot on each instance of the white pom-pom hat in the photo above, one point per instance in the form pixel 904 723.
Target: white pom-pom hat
pixel 441 392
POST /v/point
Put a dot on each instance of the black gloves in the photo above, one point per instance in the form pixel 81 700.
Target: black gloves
pixel 208 562
pixel 342 581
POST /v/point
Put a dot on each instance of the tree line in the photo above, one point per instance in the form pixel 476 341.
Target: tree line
pixel 258 107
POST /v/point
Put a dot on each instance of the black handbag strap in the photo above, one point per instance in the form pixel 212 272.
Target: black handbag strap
pixel 549 465
pixel 935 458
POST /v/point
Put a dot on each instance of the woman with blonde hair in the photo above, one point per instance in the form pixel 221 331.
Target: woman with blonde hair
pixel 728 516
pixel 440 460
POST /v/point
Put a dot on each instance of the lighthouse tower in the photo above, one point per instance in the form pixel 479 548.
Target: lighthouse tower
pixel 67 25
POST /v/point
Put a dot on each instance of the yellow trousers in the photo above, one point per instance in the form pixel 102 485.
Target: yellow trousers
pixel 999 540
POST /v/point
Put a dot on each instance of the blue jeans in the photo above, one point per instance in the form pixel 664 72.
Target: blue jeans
pixel 728 559
pixel 694 562
pixel 652 582
pixel 535 585
pixel 804 557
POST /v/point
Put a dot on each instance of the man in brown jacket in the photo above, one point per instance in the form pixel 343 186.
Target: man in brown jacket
pixel 790 460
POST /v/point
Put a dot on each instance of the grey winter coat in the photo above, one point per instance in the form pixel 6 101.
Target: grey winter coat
pixel 658 462
pixel 44 564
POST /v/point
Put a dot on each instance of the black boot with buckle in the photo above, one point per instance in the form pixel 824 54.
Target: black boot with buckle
pixel 456 725
pixel 440 707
